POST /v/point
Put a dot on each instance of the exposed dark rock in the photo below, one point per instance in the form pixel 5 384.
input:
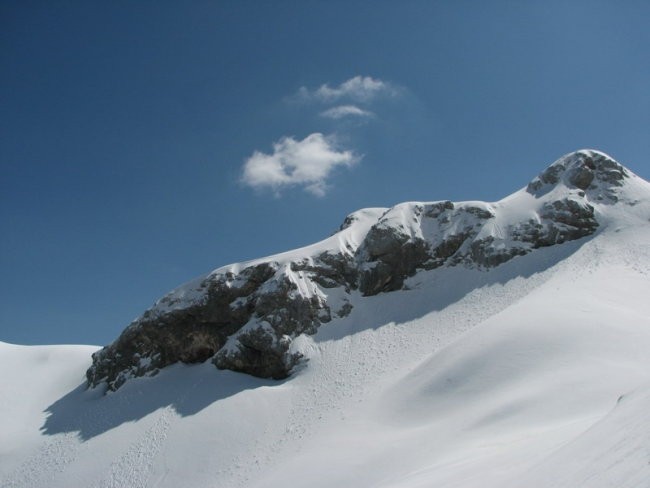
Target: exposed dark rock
pixel 433 210
pixel 393 256
pixel 561 221
pixel 259 352
pixel 484 253
pixel 574 214
pixel 446 249
pixel 347 222
pixel 590 171
pixel 196 332
pixel 481 213
pixel 582 176
pixel 246 320
pixel 330 270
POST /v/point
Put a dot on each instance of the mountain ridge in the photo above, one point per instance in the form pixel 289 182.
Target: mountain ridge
pixel 245 316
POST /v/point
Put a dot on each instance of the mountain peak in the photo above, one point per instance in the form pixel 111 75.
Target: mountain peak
pixel 588 170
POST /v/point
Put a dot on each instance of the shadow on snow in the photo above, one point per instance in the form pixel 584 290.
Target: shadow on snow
pixel 435 290
pixel 188 389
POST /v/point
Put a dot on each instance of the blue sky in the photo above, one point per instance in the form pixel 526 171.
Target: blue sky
pixel 145 143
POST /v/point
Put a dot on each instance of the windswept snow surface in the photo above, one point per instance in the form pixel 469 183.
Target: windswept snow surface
pixel 532 374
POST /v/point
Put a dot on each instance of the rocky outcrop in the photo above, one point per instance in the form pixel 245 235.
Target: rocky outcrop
pixel 389 256
pixel 245 317
pixel 592 172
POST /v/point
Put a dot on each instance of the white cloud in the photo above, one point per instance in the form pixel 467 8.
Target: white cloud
pixel 307 163
pixel 358 89
pixel 342 111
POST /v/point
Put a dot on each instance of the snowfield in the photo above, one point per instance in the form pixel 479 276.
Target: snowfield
pixel 535 373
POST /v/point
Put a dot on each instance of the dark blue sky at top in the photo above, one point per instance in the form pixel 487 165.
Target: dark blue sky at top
pixel 125 125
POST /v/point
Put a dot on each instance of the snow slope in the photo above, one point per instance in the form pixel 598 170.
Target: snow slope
pixel 535 373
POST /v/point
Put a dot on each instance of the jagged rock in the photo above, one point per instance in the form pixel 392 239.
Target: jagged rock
pixel 224 314
pixel 433 210
pixel 330 270
pixel 590 171
pixel 577 217
pixel 245 317
pixel 447 248
pixel 259 352
pixel 392 256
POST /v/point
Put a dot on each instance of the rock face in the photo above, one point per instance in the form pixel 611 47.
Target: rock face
pixel 244 317
pixel 592 172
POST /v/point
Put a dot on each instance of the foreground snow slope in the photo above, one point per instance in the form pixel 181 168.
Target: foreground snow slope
pixel 517 383
pixel 534 373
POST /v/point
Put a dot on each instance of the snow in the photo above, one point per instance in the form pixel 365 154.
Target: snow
pixel 535 373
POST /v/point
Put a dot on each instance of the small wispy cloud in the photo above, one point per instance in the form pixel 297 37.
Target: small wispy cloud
pixel 307 163
pixel 342 111
pixel 357 89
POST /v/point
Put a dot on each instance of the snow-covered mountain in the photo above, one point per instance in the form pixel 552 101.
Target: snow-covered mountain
pixel 246 316
pixel 466 344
